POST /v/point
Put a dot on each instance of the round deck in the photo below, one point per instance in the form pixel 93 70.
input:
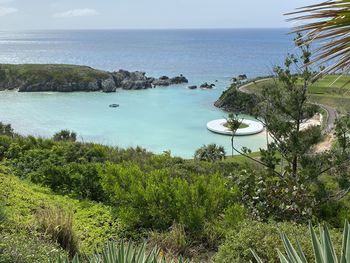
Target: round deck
pixel 217 126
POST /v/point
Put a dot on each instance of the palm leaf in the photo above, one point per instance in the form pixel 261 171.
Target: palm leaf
pixel 328 22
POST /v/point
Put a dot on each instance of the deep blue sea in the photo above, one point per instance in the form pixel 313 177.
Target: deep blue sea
pixel 172 118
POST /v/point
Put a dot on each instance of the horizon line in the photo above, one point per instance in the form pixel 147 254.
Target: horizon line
pixel 143 29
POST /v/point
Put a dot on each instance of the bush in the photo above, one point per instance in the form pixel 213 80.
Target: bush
pixel 65 135
pixel 156 199
pixel 264 239
pixel 79 180
pixel 266 195
pixel 24 247
pixel 58 225
pixel 6 129
pixel 210 153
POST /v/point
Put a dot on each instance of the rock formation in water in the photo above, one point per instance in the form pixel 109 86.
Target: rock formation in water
pixel 70 78
pixel 207 86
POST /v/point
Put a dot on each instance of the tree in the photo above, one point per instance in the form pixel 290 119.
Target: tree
pixel 210 153
pixel 65 135
pixel 293 169
pixel 328 22
pixel 6 129
pixel 291 165
pixel 283 108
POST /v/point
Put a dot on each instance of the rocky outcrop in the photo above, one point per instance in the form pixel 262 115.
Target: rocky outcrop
pixel 192 87
pixel 108 85
pixel 234 100
pixel 207 86
pixel 70 78
pixel 166 81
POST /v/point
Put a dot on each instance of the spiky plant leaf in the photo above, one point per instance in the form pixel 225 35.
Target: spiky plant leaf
pixel 282 258
pixel 328 22
pixel 316 246
pixel 257 258
pixel 345 254
pixel 290 250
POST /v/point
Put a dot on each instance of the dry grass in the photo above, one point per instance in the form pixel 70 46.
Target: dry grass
pixel 173 243
pixel 58 225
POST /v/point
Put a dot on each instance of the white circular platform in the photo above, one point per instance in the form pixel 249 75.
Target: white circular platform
pixel 217 126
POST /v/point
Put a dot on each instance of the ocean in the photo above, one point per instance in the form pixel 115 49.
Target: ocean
pixel 165 118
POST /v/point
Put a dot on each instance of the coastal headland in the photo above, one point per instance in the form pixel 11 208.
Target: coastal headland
pixel 71 78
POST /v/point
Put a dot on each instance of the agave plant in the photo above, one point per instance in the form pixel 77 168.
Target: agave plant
pixel 124 253
pixel 329 22
pixel 324 251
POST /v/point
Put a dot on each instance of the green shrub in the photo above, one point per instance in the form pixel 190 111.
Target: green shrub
pixel 65 135
pixel 264 239
pixel 6 129
pixel 210 153
pixel 21 246
pixel 77 179
pixel 156 199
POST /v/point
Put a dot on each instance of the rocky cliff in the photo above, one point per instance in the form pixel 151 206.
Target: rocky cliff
pixel 70 78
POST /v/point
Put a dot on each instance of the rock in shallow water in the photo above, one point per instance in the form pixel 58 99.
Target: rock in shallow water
pixel 114 105
pixel 207 86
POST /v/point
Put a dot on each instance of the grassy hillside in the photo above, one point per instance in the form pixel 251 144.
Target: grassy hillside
pixel 331 90
pixel 36 73
pixel 93 223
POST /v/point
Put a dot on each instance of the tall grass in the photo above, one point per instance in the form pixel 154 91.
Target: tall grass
pixel 58 225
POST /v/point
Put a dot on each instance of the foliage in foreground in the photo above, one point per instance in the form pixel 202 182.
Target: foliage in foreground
pixel 324 250
pixel 124 253
pixel 264 238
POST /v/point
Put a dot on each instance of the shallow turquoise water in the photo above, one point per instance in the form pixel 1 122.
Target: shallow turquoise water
pixel 172 118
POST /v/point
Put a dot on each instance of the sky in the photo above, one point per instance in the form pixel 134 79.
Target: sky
pixel 145 14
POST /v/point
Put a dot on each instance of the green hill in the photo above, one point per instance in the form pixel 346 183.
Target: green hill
pixel 93 223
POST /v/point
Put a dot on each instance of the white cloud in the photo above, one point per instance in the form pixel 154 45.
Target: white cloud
pixel 5 1
pixel 77 13
pixel 7 10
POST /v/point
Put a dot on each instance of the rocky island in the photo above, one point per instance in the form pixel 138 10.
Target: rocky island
pixel 70 78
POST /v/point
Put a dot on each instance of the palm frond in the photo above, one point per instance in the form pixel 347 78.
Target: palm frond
pixel 329 23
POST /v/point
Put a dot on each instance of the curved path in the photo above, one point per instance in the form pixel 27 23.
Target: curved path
pixel 332 113
pixel 332 116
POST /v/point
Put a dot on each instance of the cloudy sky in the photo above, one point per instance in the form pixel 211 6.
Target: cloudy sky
pixel 126 14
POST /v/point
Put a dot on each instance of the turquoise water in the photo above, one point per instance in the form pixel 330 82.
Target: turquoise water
pixel 172 118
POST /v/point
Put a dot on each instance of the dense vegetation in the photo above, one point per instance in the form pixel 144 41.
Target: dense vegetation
pixel 96 193
pixel 331 90
pixel 37 73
